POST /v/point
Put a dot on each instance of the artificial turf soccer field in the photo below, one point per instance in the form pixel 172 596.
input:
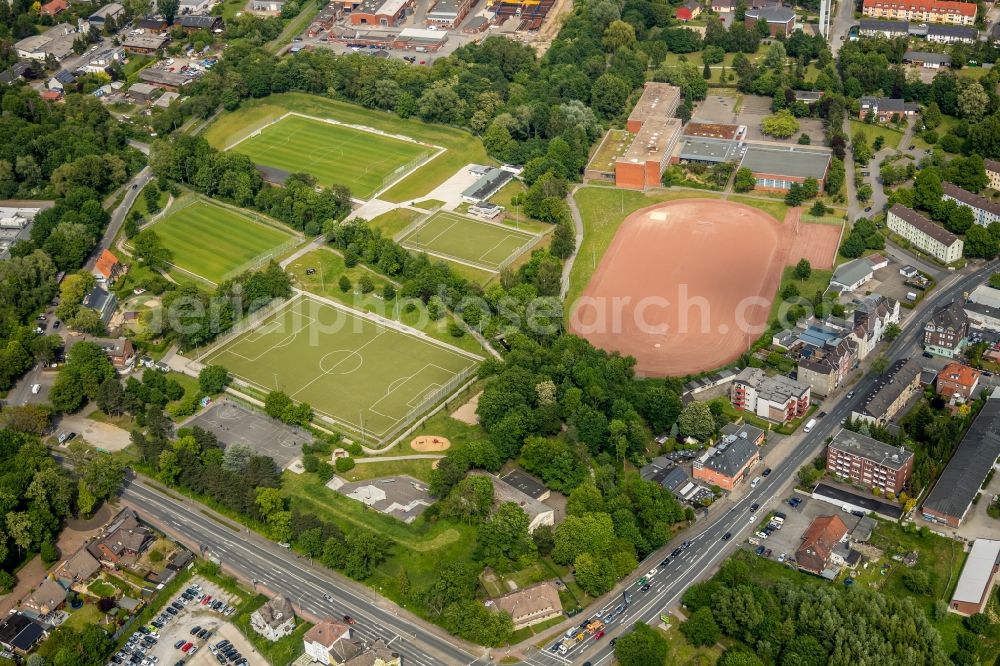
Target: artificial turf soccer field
pixel 467 240
pixel 334 154
pixel 211 240
pixel 347 367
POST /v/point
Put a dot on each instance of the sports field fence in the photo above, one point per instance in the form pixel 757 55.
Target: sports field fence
pixel 240 327
pixel 401 171
pixel 257 129
pixel 517 253
pixel 411 227
pixel 417 412
pixel 262 258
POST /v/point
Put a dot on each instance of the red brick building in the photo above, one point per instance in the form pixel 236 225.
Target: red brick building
pixel 727 463
pixel 978 576
pixel 384 13
pixel 780 20
pixel 868 462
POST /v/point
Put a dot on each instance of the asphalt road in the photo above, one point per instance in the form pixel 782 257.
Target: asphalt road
pixel 707 549
pixel 255 558
pixel 133 188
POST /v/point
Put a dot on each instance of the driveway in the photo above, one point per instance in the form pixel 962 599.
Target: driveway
pixel 101 435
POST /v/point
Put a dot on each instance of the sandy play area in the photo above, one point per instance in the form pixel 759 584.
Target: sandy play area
pixel 430 444
pixel 687 286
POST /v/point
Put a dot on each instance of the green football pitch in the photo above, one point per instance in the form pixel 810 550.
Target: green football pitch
pixel 210 240
pixel 334 154
pixel 467 240
pixel 349 368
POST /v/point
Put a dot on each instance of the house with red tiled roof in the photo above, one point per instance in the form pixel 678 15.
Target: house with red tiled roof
pixel 818 542
pixel 108 268
pixel 957 381
pixel 51 95
pixel 54 7
pixel 922 11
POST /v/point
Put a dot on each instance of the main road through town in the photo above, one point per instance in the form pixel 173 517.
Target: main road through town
pixel 264 563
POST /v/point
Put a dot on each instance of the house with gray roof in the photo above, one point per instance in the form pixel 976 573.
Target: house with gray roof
pixel 886 109
pixel 927 59
pixel 780 20
pixel 890 394
pixel 879 28
pixel 923 234
pixel 487 185
pixel 977 578
pixel 852 274
pixel 984 211
pixel 951 34
pixel 697 150
pixel 727 463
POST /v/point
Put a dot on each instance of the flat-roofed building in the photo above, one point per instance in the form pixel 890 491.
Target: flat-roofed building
pixel 974 584
pixel 644 161
pixel 715 131
pixel 777 167
pixel 145 44
pixel 707 151
pixel 538 513
pixel 867 462
pixel 448 13
pixel 658 100
pixel 777 398
pixel 984 211
pixel 385 13
pixel 923 234
pixel 56 42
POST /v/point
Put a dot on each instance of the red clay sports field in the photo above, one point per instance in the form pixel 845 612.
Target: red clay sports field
pixel 687 286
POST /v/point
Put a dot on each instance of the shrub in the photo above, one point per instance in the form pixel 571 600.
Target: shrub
pixel 345 464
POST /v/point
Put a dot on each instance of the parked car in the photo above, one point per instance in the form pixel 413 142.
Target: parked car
pixel 187 647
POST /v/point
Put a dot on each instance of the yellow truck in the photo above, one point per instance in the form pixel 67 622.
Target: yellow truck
pixel 594 626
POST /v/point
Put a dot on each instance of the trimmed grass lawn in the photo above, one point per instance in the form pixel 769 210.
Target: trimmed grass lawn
pixel 818 280
pixel 140 203
pixel 467 240
pixel 394 221
pixel 442 425
pixel 602 210
pixel 775 209
pixel 418 469
pixel 329 266
pixel 359 374
pixel 280 652
pixel 101 588
pixel 461 147
pixel 948 123
pixel 86 615
pixel 428 204
pixel 891 136
pixel 210 240
pixel 695 58
pixel 334 154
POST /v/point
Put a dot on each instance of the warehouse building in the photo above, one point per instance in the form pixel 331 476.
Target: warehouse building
pixel 976 581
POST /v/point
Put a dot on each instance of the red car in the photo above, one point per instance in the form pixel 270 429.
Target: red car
pixel 187 646
pixel 598 634
pixel 206 600
pixel 349 620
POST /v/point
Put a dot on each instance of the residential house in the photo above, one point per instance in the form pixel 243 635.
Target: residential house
pixel 867 462
pixel 527 484
pixel 19 71
pixel 958 381
pixel 153 24
pixel 927 59
pixel 122 540
pixel 890 394
pixel 60 80
pixel 984 211
pixel 946 331
pixel 775 398
pixel 108 268
pixel 808 96
pixel 275 619
pixel 921 11
pixel 322 638
pixel 871 319
pixel 51 95
pixel 818 542
pixel 952 34
pixel 103 302
pixel 723 6
pixel 752 434
pixel 826 368
pixel 727 463
pixel 688 11
pixel 977 578
pixel 886 109
pixel 47 597
pixel 119 351
pixel 780 20
pixel 923 234
pixel 887 29
pixel 145 44
pixel 19 633
pixel 78 569
pixel 962 479
pixel 993 173
pixel 852 275
pixel 531 605
pixel 53 7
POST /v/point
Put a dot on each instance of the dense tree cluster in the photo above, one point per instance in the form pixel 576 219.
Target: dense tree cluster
pixel 813 623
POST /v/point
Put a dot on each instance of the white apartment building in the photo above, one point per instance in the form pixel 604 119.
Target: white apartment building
pixel 935 240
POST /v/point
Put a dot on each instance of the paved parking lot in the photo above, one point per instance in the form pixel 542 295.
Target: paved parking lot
pixel 176 630
pixel 797 520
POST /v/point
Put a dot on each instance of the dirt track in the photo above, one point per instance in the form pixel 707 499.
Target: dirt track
pixel 687 285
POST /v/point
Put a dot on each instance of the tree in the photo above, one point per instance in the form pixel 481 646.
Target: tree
pixel 803 269
pixel 344 283
pixel 504 537
pixel 932 116
pixel 891 332
pixel 701 629
pixel 818 209
pixel 85 500
pixel 608 95
pixel 168 8
pixel 149 249
pixel 103 475
pixel 643 646
pixel 696 421
pixel 744 180
pixel 880 364
pixel 593 575
pixel 213 379
pixel 706 72
pixel 780 125
pixel 927 189
pixel 563 241
pixel 110 396
pixel 619 35
pixel 979 242
pixel 973 101
pixel 365 284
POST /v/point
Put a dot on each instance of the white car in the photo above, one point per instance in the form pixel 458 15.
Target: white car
pixel 652 572
pixel 35 388
pixel 781 558
pixel 328 598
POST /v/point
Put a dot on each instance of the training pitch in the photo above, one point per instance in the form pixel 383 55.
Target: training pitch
pixel 334 154
pixel 209 240
pixel 349 368
pixel 467 240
